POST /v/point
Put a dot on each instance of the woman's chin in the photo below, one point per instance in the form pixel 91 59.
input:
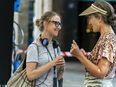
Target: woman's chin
pixel 55 35
pixel 94 31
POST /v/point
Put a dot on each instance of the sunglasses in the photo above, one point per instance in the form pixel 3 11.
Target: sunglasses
pixel 57 23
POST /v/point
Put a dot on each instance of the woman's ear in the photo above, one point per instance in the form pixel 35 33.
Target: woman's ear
pixel 100 19
pixel 44 23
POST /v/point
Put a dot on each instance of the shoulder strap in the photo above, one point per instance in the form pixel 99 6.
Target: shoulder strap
pixel 24 60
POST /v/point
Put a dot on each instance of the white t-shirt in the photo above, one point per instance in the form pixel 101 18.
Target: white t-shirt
pixel 42 57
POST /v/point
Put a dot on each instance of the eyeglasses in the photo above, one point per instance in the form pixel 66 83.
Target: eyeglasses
pixel 57 23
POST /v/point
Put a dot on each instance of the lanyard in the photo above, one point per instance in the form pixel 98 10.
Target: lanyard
pixel 52 58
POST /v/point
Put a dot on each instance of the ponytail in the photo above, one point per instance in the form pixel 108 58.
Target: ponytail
pixel 37 22
pixel 112 22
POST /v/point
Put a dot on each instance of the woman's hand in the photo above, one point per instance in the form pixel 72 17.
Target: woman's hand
pixel 59 61
pixel 83 51
pixel 75 51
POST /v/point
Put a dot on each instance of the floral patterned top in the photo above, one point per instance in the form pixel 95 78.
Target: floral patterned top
pixel 105 47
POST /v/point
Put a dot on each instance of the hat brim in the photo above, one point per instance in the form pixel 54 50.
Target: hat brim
pixel 88 11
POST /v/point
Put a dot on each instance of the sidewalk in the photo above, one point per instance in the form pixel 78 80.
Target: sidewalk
pixel 74 75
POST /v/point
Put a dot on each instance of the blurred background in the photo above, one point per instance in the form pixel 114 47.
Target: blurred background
pixel 18 31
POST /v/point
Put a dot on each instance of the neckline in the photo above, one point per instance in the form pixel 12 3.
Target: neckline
pixel 105 34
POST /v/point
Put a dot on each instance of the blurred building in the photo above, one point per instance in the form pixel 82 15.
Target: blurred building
pixel 74 27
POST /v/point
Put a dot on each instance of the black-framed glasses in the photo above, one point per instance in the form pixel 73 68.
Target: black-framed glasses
pixel 57 23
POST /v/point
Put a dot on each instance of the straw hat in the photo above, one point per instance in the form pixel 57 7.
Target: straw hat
pixel 93 9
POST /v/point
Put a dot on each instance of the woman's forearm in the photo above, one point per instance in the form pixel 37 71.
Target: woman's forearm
pixel 92 68
pixel 36 73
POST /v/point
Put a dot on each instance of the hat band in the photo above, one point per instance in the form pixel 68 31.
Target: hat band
pixel 98 9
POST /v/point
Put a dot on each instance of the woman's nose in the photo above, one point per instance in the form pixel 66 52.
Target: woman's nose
pixel 59 27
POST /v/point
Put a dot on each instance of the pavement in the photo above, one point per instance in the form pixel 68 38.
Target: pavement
pixel 74 75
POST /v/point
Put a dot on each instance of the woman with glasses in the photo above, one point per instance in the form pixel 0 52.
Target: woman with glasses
pixel 44 62
pixel 101 63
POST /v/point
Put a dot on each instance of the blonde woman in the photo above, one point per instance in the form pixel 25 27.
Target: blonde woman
pixel 44 64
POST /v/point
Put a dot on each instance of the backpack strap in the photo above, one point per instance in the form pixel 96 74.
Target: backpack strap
pixel 24 60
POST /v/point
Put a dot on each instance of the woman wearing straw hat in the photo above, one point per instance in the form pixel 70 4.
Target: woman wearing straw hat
pixel 101 63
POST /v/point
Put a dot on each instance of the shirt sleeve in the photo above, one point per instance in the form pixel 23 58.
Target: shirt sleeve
pixel 32 54
pixel 107 50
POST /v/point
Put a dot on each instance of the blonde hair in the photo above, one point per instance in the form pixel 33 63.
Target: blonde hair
pixel 45 17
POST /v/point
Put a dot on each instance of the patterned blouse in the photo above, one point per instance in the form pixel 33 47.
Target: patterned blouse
pixel 105 47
